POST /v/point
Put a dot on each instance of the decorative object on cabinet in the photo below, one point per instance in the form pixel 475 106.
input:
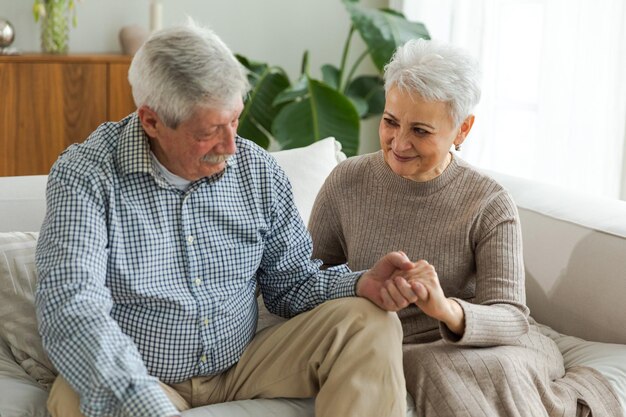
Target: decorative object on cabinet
pixel 156 15
pixel 131 38
pixel 49 102
pixel 54 16
pixel 7 36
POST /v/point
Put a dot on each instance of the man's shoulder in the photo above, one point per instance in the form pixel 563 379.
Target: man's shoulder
pixel 91 158
pixel 252 157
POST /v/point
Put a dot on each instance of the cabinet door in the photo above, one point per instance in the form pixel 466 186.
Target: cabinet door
pixel 8 118
pixel 59 104
pixel 121 102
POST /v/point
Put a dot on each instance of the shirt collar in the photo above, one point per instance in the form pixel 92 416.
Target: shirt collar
pixel 133 154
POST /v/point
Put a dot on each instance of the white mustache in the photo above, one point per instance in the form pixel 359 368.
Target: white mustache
pixel 216 159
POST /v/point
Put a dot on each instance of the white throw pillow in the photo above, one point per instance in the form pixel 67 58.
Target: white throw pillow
pixel 18 323
pixel 307 169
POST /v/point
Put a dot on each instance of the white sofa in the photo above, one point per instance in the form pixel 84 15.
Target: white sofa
pixel 575 256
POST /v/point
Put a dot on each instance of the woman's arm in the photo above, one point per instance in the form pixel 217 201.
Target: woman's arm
pixel 497 314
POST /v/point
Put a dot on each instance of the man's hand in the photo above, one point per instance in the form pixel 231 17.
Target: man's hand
pixel 382 285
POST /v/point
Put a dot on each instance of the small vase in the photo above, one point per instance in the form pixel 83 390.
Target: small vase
pixel 55 28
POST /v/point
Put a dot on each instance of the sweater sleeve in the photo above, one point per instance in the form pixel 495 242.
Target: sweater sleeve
pixel 325 228
pixel 498 315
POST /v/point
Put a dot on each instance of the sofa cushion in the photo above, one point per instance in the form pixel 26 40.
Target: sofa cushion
pixel 22 203
pixel 18 324
pixel 607 358
pixel 20 395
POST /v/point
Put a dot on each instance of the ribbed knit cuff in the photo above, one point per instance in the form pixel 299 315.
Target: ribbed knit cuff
pixel 487 325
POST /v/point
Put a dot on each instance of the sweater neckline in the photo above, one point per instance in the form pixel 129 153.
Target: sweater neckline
pixel 392 181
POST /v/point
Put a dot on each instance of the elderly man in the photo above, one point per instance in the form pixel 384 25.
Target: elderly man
pixel 158 231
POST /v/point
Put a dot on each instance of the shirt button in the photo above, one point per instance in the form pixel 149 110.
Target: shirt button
pixel 190 239
pixel 203 358
pixel 198 281
pixel 206 321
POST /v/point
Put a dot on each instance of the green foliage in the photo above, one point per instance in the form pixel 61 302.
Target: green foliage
pixel 41 8
pixel 308 110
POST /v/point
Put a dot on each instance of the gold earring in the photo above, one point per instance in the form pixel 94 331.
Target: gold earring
pixel 457 147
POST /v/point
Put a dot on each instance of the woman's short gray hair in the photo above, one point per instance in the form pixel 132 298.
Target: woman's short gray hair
pixel 180 68
pixel 437 72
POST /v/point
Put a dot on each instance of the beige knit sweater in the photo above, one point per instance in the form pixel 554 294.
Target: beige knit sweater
pixel 466 225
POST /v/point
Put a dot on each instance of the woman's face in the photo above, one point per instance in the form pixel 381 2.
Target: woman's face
pixel 416 135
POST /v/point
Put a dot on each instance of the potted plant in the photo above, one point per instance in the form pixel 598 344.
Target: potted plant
pixel 300 113
pixel 54 16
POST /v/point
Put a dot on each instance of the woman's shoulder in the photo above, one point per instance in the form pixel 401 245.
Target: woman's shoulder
pixel 477 179
pixel 353 169
pixel 484 188
pixel 357 163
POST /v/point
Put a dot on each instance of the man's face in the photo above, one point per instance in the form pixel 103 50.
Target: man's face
pixel 199 146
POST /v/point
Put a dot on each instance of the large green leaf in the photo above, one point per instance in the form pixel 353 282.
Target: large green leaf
pixel 321 113
pixel 369 88
pixel 255 69
pixel 330 75
pixel 255 122
pixel 383 31
pixel 297 91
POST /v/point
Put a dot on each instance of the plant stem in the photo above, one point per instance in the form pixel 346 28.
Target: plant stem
pixel 344 57
pixel 355 66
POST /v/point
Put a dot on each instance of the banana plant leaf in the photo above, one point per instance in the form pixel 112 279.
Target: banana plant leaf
pixel 255 122
pixel 369 89
pixel 297 91
pixel 321 112
pixel 383 31
pixel 330 75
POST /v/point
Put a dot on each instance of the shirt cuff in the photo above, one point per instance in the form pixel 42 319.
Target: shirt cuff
pixel 346 286
pixel 149 401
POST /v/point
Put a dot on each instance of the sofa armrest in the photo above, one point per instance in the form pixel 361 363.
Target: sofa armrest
pixel 575 258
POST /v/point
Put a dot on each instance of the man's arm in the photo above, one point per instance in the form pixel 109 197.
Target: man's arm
pixel 291 282
pixel 73 306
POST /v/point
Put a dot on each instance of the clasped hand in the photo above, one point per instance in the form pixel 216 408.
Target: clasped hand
pixel 395 282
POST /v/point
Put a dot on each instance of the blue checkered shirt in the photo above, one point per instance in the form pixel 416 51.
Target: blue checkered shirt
pixel 140 282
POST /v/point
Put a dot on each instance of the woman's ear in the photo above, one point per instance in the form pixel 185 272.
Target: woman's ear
pixel 464 130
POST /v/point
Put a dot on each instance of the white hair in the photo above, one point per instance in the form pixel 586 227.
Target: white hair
pixel 437 72
pixel 181 68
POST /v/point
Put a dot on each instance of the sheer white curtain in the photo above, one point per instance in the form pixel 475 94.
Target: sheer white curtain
pixel 554 86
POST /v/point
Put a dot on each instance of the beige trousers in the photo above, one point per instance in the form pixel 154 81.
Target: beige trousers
pixel 346 352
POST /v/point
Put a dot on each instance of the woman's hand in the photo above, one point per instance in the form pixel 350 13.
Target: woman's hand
pixel 423 281
pixel 374 283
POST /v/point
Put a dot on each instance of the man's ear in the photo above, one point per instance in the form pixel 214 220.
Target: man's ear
pixel 149 120
pixel 464 130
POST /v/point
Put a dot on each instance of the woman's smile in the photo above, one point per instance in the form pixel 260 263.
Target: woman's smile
pixel 401 158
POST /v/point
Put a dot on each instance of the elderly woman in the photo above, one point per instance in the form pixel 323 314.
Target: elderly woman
pixel 470 347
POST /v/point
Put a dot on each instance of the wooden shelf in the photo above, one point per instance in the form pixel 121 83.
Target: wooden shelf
pixel 51 101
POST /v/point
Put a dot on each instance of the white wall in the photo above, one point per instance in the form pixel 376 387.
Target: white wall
pixel 274 31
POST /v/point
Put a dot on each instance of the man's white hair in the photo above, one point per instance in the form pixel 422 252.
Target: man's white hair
pixel 181 68
pixel 437 72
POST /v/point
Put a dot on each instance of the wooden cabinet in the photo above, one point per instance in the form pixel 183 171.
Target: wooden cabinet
pixel 48 102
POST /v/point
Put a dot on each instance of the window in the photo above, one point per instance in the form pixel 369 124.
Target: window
pixel 553 106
